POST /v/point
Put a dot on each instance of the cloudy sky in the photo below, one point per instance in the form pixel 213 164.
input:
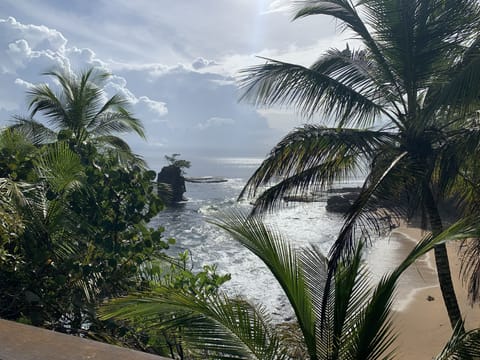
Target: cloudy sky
pixel 176 60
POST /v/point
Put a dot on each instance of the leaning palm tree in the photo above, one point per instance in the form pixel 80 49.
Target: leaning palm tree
pixel 357 320
pixel 403 108
pixel 79 112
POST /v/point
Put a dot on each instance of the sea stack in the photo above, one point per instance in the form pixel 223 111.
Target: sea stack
pixel 172 176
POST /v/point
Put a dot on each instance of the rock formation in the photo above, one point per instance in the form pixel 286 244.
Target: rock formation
pixel 172 176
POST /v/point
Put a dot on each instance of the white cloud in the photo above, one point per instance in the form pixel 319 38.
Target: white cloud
pixel 283 6
pixel 25 84
pixel 177 67
pixel 38 37
pixel 215 122
pixel 173 101
pixel 200 63
pixel 160 108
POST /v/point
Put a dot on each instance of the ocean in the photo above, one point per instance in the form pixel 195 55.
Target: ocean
pixel 300 223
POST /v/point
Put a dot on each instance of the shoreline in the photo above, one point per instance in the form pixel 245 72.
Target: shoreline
pixel 421 322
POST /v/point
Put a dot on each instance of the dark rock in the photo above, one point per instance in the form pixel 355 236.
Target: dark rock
pixel 301 198
pixel 206 179
pixel 172 176
pixel 340 203
pixel 430 298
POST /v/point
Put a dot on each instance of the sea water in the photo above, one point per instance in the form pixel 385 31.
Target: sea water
pixel 302 224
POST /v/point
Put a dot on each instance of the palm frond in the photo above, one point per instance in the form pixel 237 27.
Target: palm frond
pixel 372 332
pixel 470 267
pixel 282 260
pixel 461 345
pixel 307 90
pixel 356 69
pixel 120 121
pixel 116 101
pixel 14 193
pixel 346 12
pixel 355 217
pixel 33 130
pixel 45 101
pixel 113 141
pixel 461 90
pixel 312 180
pixel 315 147
pixel 61 168
pixel 228 328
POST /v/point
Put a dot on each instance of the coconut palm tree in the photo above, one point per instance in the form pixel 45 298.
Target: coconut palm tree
pixel 403 108
pixel 79 113
pixel 357 317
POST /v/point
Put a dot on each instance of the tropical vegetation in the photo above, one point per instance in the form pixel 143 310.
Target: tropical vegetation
pixel 79 113
pixel 75 201
pixel 75 204
pixel 403 107
pixel 355 322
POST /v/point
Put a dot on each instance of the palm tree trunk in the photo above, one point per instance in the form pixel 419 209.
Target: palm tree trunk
pixel 442 263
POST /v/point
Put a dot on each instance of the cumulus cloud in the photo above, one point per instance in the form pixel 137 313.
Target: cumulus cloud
pixel 25 84
pixel 39 37
pixel 158 107
pixel 183 109
pixel 200 63
pixel 215 122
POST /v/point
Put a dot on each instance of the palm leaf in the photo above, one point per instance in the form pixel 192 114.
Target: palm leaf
pixel 45 101
pixel 309 91
pixel 461 345
pixel 120 121
pixel 311 180
pixel 228 328
pixel 345 11
pixel 61 168
pixel 356 70
pixel 305 150
pixel 282 260
pixel 33 130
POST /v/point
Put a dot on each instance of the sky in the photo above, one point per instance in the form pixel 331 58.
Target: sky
pixel 177 61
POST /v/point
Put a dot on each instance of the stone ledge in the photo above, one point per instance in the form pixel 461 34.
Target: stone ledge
pixel 23 342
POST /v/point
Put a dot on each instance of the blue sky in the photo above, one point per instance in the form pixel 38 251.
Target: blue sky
pixel 176 60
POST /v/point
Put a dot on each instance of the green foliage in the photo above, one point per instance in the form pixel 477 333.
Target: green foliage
pixel 17 156
pixel 74 211
pixel 79 114
pixel 201 284
pixel 357 319
pixel 179 163
pixel 175 275
pixel 403 107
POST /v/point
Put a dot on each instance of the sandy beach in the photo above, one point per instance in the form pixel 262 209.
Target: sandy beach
pixel 420 317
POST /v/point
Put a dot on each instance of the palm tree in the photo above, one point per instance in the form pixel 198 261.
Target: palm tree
pixel 78 113
pixel 402 106
pixel 47 239
pixel 357 322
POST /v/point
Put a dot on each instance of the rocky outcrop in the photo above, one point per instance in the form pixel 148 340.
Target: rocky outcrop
pixel 206 179
pixel 172 176
pixel 342 200
pixel 339 203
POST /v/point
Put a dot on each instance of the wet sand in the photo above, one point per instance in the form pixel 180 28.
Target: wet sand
pixel 420 317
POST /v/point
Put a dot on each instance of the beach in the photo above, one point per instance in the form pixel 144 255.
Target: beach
pixel 421 319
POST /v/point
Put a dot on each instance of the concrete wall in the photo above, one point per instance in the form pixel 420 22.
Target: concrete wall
pixel 23 342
